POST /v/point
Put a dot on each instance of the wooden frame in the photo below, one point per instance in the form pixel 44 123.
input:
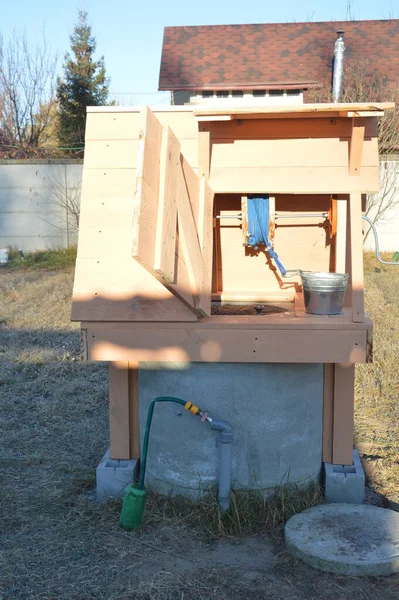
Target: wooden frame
pixel 147 270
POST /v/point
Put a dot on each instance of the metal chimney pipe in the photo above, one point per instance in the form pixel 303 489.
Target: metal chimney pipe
pixel 339 50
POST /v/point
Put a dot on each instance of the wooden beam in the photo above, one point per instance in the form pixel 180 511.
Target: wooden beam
pixel 145 204
pixel 205 236
pixel 356 146
pixel 188 237
pixel 328 412
pixel 204 151
pixel 344 383
pixel 356 257
pixel 166 228
pixel 124 410
pixel 228 345
pixel 340 234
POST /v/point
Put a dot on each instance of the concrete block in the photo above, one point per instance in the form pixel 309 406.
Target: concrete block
pixel 345 484
pixel 113 476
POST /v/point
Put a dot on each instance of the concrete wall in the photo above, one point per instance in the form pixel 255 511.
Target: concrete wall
pixel 275 411
pixel 31 195
pixel 388 226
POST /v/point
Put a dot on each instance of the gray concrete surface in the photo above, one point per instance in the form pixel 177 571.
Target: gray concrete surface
pixel 113 476
pixel 32 215
pixel 346 539
pixel 345 483
pixel 275 411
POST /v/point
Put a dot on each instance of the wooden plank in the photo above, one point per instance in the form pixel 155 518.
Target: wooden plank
pixel 328 412
pixel 166 229
pixel 344 378
pixel 111 154
pixel 112 126
pixel 107 183
pixel 223 345
pixel 134 414
pixel 272 218
pixel 356 145
pixel 356 247
pixel 189 237
pixel 124 410
pixel 204 152
pixel 145 205
pixel 240 111
pixel 311 152
pixel 271 322
pixel 340 235
pixel 293 180
pixel 244 219
pixel 287 128
pixel 205 236
pixel 108 289
pixel 119 423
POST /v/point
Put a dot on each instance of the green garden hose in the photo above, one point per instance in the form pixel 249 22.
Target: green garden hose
pixel 134 498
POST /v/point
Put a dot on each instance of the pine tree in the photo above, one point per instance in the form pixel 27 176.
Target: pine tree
pixel 84 84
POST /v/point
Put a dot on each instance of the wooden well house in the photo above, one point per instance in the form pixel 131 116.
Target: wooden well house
pixel 163 246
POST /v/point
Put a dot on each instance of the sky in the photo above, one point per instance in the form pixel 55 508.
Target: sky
pixel 129 32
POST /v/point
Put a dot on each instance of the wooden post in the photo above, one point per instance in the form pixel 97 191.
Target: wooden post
pixel 344 391
pixel 328 412
pixel 124 410
pixel 356 256
pixel 204 151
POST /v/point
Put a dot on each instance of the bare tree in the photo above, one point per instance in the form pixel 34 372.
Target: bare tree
pixel 379 206
pixel 360 83
pixel 60 203
pixel 27 90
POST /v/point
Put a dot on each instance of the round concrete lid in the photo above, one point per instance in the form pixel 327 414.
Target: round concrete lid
pixel 352 539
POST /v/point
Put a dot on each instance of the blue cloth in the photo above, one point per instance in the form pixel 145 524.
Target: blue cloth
pixel 258 227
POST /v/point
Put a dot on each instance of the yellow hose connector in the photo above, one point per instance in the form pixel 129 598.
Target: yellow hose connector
pixel 192 408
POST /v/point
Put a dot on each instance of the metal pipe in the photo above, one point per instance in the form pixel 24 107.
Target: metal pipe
pixel 278 216
pixel 302 216
pixel 377 249
pixel 225 441
pixel 339 50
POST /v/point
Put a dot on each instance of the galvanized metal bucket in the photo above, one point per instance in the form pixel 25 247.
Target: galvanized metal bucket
pixel 324 292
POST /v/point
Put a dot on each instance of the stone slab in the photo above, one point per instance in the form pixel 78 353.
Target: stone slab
pixel 345 483
pixel 113 476
pixel 346 539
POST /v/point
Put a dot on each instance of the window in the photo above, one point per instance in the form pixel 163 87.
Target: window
pixel 258 93
pixel 207 94
pixel 276 93
pixel 237 93
pixel 293 92
pixel 222 94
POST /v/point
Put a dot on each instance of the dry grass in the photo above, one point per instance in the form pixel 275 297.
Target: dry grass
pixel 58 544
pixel 377 385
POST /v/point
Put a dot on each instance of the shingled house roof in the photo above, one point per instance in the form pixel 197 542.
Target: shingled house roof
pixel 272 55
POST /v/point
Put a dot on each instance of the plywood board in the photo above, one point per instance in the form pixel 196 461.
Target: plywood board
pixel 212 345
pixel 326 152
pixel 106 289
pixel 166 227
pixel 304 128
pixel 145 205
pixel 292 180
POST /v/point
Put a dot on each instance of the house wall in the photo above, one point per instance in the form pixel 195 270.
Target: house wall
pixel 280 97
pixel 31 195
